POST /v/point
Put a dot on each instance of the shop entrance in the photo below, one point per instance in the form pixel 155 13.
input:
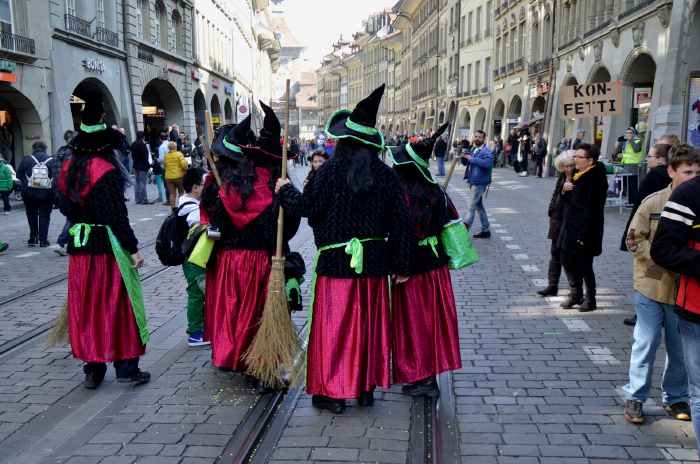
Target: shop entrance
pixel 215 112
pixel 498 113
pixel 86 88
pixel 228 112
pixel 640 78
pixel 19 121
pixel 200 108
pixel 161 108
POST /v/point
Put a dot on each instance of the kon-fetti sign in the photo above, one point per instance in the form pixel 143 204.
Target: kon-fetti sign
pixel 597 99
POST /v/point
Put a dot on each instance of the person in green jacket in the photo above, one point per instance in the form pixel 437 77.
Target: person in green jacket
pixel 6 184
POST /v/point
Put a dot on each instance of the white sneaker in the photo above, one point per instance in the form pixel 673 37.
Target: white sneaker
pixel 523 174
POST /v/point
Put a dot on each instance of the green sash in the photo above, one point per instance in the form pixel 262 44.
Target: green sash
pixel 432 242
pixel 130 275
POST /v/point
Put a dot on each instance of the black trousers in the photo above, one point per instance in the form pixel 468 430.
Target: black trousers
pixel 554 273
pixel 539 167
pixel 38 216
pixel 125 368
pixel 579 270
pixel 6 201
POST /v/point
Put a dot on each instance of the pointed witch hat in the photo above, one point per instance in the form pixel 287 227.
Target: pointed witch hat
pixel 231 139
pixel 417 154
pixel 359 124
pixel 268 145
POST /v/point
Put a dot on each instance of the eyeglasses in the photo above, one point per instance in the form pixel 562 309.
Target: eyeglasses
pixel 581 157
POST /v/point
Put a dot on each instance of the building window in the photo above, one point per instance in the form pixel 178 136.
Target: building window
pixel 142 23
pixel 469 25
pixel 477 75
pixel 487 72
pixel 461 79
pixel 469 78
pixel 70 7
pixel 487 26
pixel 6 16
pixel 176 42
pixel 478 23
pixel 160 33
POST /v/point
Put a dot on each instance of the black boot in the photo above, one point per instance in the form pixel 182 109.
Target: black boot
pixel 366 399
pixel 94 375
pixel 575 298
pixel 138 378
pixel 589 304
pixel 426 387
pixel 550 290
pixel 331 404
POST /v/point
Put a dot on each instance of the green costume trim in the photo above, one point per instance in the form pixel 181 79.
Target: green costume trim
pixel 232 147
pixel 130 275
pixel 432 242
pixel 293 284
pixel 352 125
pixel 424 170
pixel 93 129
pixel 417 159
pixel 350 136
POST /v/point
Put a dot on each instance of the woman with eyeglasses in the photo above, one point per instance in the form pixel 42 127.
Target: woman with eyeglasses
pixel 581 235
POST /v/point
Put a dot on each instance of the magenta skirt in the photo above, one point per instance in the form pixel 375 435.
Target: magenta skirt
pixel 101 322
pixel 349 346
pixel 235 295
pixel 426 335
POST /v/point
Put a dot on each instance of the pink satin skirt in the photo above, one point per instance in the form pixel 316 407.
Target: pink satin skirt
pixel 236 289
pixel 426 335
pixel 101 322
pixel 349 346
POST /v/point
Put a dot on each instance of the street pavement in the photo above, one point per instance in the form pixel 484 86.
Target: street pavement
pixel 538 385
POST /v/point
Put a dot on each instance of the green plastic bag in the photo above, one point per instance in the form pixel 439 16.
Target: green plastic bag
pixel 458 245
pixel 202 251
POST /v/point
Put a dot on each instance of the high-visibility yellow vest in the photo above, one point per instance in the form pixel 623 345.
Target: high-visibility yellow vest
pixel 629 156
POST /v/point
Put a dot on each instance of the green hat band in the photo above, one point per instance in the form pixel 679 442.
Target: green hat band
pixel 232 147
pixel 93 129
pixel 360 128
pixel 417 159
pixel 357 128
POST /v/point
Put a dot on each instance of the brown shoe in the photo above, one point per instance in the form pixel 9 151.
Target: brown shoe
pixel 679 411
pixel 633 412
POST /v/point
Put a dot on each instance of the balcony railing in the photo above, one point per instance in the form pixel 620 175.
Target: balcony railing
pixel 78 26
pixel 502 70
pixel 106 36
pixel 17 43
pixel 568 44
pixel 635 7
pixel 485 89
pixel 510 67
pixel 598 28
pixel 519 64
pixel 540 66
pixel 495 73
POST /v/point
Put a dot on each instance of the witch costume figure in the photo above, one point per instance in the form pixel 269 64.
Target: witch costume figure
pixel 356 210
pixel 244 209
pixel 426 335
pixel 106 317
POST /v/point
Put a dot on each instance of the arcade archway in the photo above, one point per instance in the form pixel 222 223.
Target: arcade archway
pixel 161 108
pixel 20 125
pixel 86 88
pixel 498 114
pixel 215 107
pixel 200 108
pixel 228 112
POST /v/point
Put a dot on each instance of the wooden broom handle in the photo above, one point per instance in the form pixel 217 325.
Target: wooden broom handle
pixel 453 166
pixel 207 147
pixel 283 174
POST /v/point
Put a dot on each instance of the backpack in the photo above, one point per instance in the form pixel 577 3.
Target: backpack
pixel 40 178
pixel 171 236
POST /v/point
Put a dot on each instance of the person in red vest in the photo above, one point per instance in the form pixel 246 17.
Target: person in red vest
pixel 106 319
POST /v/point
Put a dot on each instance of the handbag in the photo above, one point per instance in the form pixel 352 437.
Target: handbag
pixel 458 245
pixel 202 251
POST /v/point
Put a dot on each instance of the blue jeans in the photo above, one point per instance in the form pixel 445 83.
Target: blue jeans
pixel 160 184
pixel 690 336
pixel 64 236
pixel 477 204
pixel 653 319
pixel 441 165
pixel 140 188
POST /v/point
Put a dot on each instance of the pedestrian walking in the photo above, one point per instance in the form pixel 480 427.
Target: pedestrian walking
pixel 6 185
pixel 37 173
pixel 245 211
pixel 355 207
pixel 479 164
pixel 513 145
pixel 424 315
pixel 564 164
pixel 140 156
pixel 540 152
pixel 106 319
pixel 581 236
pixel 188 210
pixel 174 166
pixel 524 151
pixel 676 247
pixel 654 305
pixel 157 169
pixel 317 159
pixel 440 154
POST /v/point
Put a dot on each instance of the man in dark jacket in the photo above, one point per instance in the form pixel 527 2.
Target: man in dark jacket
pixel 440 151
pixel 540 154
pixel 62 155
pixel 676 247
pixel 581 235
pixel 38 196
pixel 139 153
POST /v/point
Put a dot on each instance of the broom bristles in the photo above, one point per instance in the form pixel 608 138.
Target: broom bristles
pixel 58 335
pixel 276 344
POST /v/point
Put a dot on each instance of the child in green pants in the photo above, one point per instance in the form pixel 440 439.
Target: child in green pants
pixel 188 206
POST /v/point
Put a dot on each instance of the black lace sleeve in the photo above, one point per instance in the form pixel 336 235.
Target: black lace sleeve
pixel 399 242
pixel 106 206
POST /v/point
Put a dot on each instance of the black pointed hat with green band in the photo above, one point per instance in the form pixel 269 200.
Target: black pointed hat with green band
pixel 268 145
pixel 359 124
pixel 231 139
pixel 416 155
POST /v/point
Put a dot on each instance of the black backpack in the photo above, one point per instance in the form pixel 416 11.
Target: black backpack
pixel 171 235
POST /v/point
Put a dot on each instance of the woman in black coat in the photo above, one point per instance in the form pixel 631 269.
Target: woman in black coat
pixel 564 164
pixel 581 235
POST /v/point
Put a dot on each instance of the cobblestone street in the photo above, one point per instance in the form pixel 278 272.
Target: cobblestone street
pixel 538 385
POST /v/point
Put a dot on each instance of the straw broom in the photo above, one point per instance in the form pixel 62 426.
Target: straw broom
pixel 276 344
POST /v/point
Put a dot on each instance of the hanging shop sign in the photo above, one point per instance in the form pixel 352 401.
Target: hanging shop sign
pixel 228 89
pixel 586 100
pixel 8 66
pixel 215 83
pixel 543 88
pixel 196 75
pixel 216 119
pixel 93 65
